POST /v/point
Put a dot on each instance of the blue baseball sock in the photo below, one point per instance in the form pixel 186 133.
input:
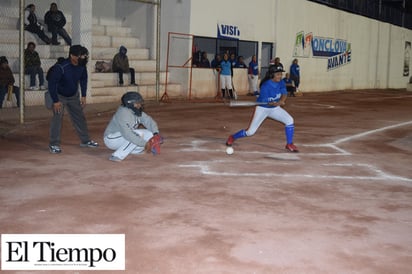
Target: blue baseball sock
pixel 289 131
pixel 240 134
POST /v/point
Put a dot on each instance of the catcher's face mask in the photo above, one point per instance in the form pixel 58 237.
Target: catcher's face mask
pixel 137 109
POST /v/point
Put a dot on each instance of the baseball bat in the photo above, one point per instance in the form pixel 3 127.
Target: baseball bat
pixel 234 103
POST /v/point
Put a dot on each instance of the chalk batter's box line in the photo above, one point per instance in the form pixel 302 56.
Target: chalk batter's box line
pixel 206 168
pixel 199 146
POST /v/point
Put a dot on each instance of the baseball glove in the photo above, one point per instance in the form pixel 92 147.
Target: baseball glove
pixel 154 144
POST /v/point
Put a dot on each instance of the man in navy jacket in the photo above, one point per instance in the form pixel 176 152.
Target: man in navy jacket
pixel 64 81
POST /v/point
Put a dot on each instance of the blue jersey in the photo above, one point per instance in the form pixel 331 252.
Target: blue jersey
pixel 253 68
pixel 295 70
pixel 288 80
pixel 271 91
pixel 233 62
pixel 226 67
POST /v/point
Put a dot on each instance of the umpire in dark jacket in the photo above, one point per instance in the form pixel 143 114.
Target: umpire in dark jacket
pixel 64 81
pixel 55 22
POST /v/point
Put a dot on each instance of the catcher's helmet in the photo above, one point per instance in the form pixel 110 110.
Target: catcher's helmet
pixel 130 98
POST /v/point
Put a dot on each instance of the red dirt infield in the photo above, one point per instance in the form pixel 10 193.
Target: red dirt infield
pixel 343 204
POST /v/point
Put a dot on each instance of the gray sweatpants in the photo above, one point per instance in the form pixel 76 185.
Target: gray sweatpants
pixel 77 116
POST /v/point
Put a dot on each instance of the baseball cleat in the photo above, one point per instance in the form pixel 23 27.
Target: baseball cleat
pixel 291 148
pixel 55 149
pixel 90 143
pixel 230 141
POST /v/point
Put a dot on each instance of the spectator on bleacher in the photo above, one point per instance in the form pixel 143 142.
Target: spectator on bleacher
pixel 7 81
pixel 55 22
pixel 120 65
pixel 204 61
pixel 32 66
pixel 32 25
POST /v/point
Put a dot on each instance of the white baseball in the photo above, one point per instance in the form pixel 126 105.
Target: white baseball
pixel 229 150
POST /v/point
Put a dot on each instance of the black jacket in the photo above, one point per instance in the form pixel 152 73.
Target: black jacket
pixel 55 19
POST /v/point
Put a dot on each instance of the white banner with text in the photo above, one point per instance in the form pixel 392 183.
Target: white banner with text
pixel 62 252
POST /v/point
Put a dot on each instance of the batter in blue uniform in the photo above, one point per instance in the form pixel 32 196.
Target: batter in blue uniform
pixel 273 92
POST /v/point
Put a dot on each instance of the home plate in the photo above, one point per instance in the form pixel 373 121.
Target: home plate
pixel 283 156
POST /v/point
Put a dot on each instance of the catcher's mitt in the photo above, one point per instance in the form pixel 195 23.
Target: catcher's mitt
pixel 154 144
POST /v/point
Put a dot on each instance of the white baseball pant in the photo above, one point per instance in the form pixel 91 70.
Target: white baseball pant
pixel 225 81
pixel 261 113
pixel 253 83
pixel 123 147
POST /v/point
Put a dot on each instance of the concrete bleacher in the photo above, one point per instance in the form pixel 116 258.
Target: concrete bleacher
pixel 108 36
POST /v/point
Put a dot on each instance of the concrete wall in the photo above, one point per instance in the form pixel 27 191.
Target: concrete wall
pixel 377 55
pixel 377 48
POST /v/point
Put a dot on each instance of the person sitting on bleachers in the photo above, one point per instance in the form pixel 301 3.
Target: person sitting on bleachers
pixel 120 64
pixel 32 66
pixel 32 25
pixel 7 82
pixel 55 22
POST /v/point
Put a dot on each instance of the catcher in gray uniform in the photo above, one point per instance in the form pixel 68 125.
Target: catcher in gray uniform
pixel 125 134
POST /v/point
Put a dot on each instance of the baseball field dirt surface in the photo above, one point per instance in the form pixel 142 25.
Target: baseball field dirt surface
pixel 343 204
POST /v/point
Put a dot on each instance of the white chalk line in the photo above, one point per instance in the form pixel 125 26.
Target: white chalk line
pixel 196 146
pixel 363 134
pixel 204 168
pixel 324 105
